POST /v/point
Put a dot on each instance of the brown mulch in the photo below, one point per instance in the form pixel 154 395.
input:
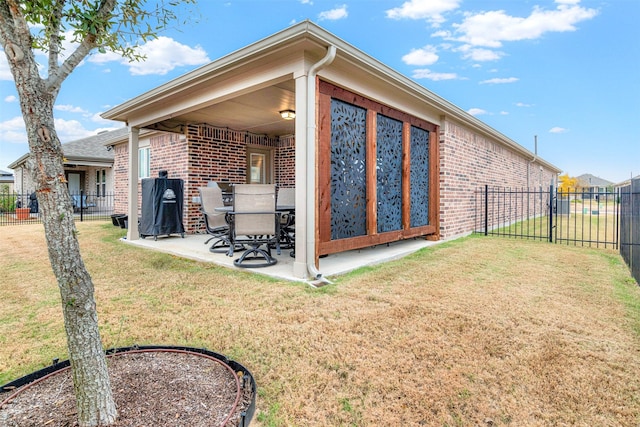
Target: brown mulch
pixel 150 389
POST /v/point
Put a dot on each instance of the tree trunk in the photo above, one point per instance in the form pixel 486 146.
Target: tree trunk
pixel 88 362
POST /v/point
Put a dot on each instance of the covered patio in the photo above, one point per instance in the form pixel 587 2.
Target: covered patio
pixel 362 151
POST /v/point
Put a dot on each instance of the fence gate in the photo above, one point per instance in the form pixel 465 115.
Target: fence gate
pixel 579 218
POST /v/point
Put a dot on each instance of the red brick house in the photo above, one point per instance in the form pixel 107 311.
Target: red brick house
pixel 374 156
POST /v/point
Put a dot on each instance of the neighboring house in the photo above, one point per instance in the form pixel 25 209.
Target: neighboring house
pixel 6 179
pixel 374 156
pixel 591 185
pixel 626 182
pixel 88 165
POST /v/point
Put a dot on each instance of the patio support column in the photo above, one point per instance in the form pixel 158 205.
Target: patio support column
pixel 306 162
pixel 132 197
pixel 302 146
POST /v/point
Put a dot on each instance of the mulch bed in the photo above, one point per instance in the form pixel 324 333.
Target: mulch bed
pixel 150 389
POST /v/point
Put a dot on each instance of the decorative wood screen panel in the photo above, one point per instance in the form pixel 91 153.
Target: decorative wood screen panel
pixel 419 177
pixel 348 170
pixel 389 173
pixel 376 170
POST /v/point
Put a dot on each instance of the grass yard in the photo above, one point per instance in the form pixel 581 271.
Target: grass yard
pixel 480 331
pixel 577 229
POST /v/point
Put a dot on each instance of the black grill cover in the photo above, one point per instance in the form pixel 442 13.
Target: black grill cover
pixel 161 210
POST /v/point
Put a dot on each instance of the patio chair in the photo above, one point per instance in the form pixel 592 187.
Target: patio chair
pixel 255 223
pixel 215 222
pixel 80 202
pixel 286 207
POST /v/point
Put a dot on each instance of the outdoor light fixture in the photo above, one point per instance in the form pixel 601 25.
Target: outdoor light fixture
pixel 288 114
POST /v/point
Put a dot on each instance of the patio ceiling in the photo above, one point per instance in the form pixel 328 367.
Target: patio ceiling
pixel 257 112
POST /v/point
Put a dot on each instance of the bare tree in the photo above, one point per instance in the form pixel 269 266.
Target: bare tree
pixel 92 25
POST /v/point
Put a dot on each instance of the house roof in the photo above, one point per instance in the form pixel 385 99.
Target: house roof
pixel 6 177
pixel 94 147
pixel 593 181
pixel 90 151
pixel 224 89
pixel 627 181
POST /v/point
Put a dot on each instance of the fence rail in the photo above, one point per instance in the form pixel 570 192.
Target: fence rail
pixel 571 217
pixel 16 209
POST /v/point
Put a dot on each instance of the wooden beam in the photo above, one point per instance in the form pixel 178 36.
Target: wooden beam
pixel 406 175
pixel 434 181
pixel 371 160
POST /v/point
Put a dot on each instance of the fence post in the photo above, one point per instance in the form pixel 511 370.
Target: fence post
pixel 551 214
pixel 616 238
pixel 81 204
pixel 486 209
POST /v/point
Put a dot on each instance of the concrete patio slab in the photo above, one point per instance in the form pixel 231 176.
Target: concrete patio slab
pixel 192 247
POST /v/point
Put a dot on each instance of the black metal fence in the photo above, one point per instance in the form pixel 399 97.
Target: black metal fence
pixel 572 217
pixel 16 209
pixel 630 227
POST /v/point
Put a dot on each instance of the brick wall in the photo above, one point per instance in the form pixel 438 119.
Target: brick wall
pixel 469 161
pixel 286 162
pixel 206 154
pixel 121 177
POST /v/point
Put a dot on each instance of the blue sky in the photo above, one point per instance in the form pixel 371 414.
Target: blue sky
pixel 566 71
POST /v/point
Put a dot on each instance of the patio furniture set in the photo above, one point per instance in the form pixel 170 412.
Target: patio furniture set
pixel 256 219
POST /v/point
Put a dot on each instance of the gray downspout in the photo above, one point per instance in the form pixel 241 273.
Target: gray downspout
pixel 311 158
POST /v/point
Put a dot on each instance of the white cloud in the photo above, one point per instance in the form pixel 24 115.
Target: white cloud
pixel 479 54
pixel 162 55
pixel 13 131
pixel 5 72
pixel 424 56
pixel 103 58
pixel 70 130
pixel 522 104
pixel 491 28
pixel 557 129
pixel 334 14
pixel 476 111
pixel 69 108
pixel 500 80
pixel 96 118
pixel 10 98
pixel 504 113
pixel 428 74
pixel 431 10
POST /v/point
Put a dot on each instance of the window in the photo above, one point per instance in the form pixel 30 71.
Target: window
pixel 259 169
pixel 144 162
pixel 101 183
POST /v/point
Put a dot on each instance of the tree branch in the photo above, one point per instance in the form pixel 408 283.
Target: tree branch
pixel 54 26
pixel 54 80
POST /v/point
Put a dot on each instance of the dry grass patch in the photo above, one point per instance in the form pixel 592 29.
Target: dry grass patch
pixel 475 332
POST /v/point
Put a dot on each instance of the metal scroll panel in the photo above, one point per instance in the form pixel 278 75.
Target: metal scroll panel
pixel 348 170
pixel 419 177
pixel 389 173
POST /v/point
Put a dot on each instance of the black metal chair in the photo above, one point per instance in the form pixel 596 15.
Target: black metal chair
pixel 215 222
pixel 255 223
pixel 286 207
